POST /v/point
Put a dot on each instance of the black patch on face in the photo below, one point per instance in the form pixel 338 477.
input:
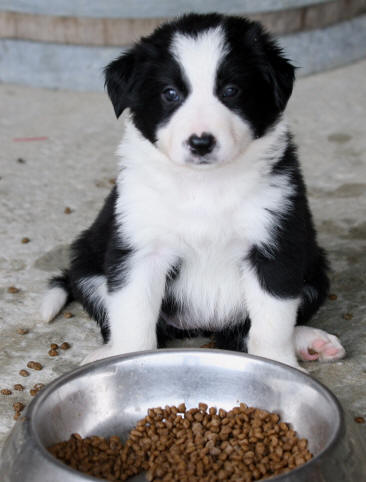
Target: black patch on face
pixel 149 109
pixel 138 77
pixel 256 66
pixel 137 80
pixel 254 63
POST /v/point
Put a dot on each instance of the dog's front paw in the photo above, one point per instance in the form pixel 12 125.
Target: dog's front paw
pixel 108 350
pixel 314 344
pixel 284 354
pixel 102 352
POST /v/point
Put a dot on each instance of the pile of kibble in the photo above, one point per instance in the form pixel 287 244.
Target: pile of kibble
pixel 200 444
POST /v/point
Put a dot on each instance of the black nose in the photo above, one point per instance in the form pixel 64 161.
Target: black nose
pixel 201 145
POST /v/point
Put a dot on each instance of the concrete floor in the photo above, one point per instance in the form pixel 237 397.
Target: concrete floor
pixel 72 167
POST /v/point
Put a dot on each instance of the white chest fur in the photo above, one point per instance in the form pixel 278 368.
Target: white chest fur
pixel 208 219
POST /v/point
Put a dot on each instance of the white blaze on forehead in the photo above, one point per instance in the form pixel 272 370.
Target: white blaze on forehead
pixel 202 111
pixel 200 57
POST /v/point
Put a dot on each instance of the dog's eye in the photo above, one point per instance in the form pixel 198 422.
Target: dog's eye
pixel 230 91
pixel 170 95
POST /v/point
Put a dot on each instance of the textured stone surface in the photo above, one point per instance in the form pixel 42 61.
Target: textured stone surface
pixel 73 167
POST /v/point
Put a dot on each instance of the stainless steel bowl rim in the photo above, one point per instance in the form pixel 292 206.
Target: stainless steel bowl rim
pixel 37 401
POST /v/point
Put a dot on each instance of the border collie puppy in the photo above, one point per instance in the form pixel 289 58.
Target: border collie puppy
pixel 208 228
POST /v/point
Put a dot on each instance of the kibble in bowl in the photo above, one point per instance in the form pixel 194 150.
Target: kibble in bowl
pixel 111 399
pixel 199 444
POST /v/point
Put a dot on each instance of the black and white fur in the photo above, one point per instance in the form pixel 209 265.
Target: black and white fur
pixel 208 228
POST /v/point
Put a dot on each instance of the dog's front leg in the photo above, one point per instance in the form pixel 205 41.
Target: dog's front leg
pixel 273 321
pixel 133 307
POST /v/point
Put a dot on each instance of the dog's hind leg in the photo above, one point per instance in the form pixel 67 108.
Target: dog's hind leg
pixel 92 293
pixel 58 295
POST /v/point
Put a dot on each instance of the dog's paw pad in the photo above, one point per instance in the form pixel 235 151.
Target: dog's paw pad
pixel 328 351
pixel 318 344
pixel 306 355
pixel 331 351
pixel 313 344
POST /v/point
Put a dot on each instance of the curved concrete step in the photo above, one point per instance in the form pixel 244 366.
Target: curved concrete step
pixel 67 44
pixel 103 27
pixel 150 8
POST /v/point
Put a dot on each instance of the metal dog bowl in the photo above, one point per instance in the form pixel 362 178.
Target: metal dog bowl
pixel 109 396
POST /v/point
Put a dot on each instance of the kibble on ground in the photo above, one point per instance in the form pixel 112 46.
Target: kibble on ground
pixel 34 365
pixel 22 331
pixel 196 445
pixel 5 391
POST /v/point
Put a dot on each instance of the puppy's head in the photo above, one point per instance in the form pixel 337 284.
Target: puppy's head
pixel 202 88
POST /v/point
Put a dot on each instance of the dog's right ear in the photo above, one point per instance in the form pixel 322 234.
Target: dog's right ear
pixel 119 79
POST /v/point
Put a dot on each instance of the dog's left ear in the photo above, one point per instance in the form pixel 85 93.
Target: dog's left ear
pixel 119 80
pixel 280 74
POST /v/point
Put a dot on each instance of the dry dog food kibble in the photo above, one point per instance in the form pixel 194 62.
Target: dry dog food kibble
pixel 18 387
pixel 210 344
pixel 65 346
pixel 53 352
pixel 359 420
pixel 200 444
pixel 22 331
pixel 34 365
pixel 13 290
pixel 18 406
pixel 24 373
pixel 37 387
pixel 5 391
pixel 54 346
